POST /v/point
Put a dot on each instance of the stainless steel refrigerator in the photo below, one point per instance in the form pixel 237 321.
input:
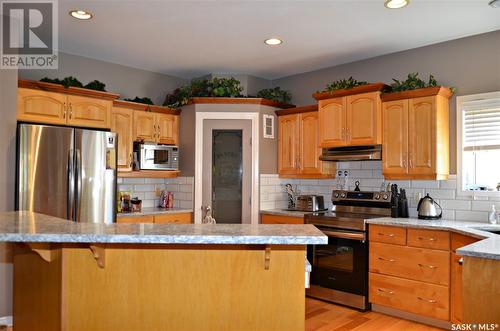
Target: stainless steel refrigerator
pixel 66 172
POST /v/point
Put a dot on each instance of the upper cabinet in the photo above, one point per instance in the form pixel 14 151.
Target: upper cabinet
pixel 53 104
pixel 416 134
pixel 122 120
pixel 351 117
pixel 156 127
pixel 298 145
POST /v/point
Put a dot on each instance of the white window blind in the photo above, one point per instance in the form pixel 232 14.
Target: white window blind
pixel 481 125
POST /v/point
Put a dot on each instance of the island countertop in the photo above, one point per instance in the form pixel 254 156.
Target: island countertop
pixel 488 248
pixel 33 227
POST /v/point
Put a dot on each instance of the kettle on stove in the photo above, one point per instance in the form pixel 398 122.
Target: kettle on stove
pixel 428 209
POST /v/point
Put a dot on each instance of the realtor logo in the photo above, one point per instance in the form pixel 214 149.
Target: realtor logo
pixel 29 34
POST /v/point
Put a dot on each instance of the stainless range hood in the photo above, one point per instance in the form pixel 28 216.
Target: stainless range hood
pixel 352 153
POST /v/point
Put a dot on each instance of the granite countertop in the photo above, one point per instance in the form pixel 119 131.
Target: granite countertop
pixel 283 212
pixel 155 211
pixel 488 248
pixel 32 227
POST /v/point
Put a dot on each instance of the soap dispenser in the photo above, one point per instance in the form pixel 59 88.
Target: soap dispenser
pixel 493 215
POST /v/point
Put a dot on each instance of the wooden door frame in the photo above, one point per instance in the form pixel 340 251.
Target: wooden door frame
pixel 254 117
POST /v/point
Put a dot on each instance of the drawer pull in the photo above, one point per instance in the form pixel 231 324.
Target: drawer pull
pixel 388 260
pixel 426 300
pixel 386 291
pixel 430 239
pixel 461 261
pixel 388 235
pixel 428 266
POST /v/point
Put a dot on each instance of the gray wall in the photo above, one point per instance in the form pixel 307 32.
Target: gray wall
pixel 128 82
pixel 8 86
pixel 471 64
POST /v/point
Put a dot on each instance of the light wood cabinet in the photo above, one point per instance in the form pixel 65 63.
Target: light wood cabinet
pixel 409 270
pixel 122 123
pixel 352 120
pixel 457 302
pixel 177 218
pixel 298 147
pixel 156 127
pixel 279 219
pixel 89 112
pixel 40 106
pixel 416 135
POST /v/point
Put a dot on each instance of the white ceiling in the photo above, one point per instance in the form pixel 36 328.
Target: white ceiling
pixel 193 38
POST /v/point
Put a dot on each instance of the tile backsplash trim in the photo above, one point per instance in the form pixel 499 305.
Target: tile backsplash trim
pixel 369 173
pixel 145 189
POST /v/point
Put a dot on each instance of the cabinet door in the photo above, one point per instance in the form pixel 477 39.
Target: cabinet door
pixel 41 107
pixel 395 138
pixel 422 136
pixel 145 126
pixel 89 112
pixel 135 219
pixel 184 218
pixel 363 119
pixel 122 124
pixel 168 132
pixel 332 120
pixel 309 150
pixel 457 302
pixel 288 138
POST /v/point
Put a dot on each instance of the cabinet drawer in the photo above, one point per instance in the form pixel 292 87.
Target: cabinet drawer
pixel 276 219
pixel 425 265
pixel 409 295
pixel 429 239
pixel 387 234
pixel 183 218
pixel 134 219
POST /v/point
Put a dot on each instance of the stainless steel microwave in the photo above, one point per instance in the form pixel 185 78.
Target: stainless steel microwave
pixel 158 157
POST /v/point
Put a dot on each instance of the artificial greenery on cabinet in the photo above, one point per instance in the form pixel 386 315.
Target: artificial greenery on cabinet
pixel 275 94
pixel 414 82
pixel 71 81
pixel 145 100
pixel 343 84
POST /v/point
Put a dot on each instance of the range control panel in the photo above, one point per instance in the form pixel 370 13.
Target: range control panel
pixel 339 195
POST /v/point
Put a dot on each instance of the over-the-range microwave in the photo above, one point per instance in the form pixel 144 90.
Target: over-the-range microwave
pixel 158 157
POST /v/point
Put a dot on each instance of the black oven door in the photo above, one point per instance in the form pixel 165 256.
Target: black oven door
pixel 342 264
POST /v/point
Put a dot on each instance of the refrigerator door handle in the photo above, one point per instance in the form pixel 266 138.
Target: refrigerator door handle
pixel 71 186
pixel 78 184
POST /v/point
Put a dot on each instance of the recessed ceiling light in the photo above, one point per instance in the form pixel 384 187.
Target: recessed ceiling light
pixel 81 14
pixel 396 4
pixel 273 41
pixel 494 3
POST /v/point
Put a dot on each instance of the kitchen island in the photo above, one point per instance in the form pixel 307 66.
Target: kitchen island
pixel 81 276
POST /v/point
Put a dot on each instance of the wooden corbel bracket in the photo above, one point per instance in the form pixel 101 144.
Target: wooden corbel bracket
pixel 99 253
pixel 42 249
pixel 267 257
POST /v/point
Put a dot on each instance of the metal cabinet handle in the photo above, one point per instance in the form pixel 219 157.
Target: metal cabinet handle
pixel 429 239
pixel 70 111
pixel 388 260
pixel 427 300
pixel 388 235
pixel 385 291
pixel 428 266
pixel 64 110
pixel 131 160
pixel 410 161
pixel 461 261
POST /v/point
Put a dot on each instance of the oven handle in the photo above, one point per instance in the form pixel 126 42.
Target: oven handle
pixel 345 235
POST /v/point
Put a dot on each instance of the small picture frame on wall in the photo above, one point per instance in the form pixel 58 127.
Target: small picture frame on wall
pixel 268 122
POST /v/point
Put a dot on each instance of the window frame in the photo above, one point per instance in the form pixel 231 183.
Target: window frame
pixel 459 102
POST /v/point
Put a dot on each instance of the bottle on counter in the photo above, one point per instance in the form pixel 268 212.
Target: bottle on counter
pixel 170 200
pixel 493 218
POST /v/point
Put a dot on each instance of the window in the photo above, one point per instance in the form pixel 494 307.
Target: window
pixel 478 141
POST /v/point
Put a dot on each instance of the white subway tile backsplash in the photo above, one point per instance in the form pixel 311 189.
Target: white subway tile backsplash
pixel 154 180
pixel 149 203
pixel 441 194
pixel 456 204
pixel 371 164
pixel 474 216
pixel 144 188
pixel 448 184
pixel 425 184
pixel 133 180
pixel 485 205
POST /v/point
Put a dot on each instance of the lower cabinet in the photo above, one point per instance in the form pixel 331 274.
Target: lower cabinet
pixel 278 219
pixel 180 218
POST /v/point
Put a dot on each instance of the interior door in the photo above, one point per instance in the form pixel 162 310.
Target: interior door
pixel 310 151
pixel 422 136
pixel 395 140
pixel 144 126
pixel 332 121
pixel 45 162
pixel 122 125
pixel 89 112
pixel 288 140
pixel 362 119
pixel 168 129
pixel 227 170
